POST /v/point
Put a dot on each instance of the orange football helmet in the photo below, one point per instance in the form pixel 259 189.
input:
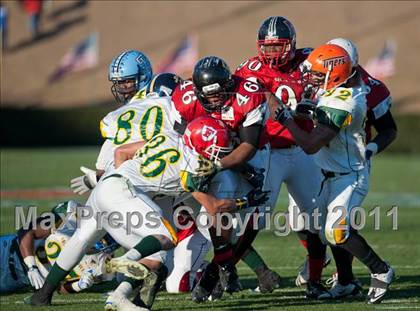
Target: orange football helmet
pixel 328 65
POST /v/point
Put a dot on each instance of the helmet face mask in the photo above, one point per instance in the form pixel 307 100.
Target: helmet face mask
pixel 123 90
pixel 128 67
pixel 276 41
pixel 216 153
pixel 213 83
pixel 275 53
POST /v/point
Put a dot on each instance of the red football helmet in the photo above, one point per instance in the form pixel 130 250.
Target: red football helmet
pixel 209 137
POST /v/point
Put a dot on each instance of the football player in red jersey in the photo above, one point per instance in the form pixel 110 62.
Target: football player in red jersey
pixel 277 68
pixel 379 116
pixel 214 91
pixel 241 104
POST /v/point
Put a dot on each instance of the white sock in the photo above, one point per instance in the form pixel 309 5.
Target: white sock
pixel 132 254
pixel 124 289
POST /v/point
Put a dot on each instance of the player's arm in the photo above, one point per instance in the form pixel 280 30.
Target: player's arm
pixel 329 123
pixel 214 205
pixel 27 239
pixel 241 154
pixel 249 135
pixel 198 187
pixel 28 236
pixel 126 152
pixel 386 133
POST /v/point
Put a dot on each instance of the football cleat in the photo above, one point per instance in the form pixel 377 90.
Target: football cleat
pixel 334 279
pixel 205 286
pixel 303 274
pixel 151 285
pixel 268 280
pixel 229 278
pixel 379 284
pixel 118 302
pixel 129 268
pixel 41 297
pixel 341 291
pixel 217 292
pixel 314 290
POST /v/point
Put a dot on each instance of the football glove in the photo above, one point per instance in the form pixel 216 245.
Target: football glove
pixel 282 114
pixel 255 197
pixel 206 168
pixel 305 108
pixel 84 183
pixel 255 176
pixel 34 276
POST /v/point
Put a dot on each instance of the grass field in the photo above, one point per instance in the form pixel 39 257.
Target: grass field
pixel 394 182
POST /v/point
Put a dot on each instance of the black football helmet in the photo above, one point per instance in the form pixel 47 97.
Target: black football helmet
pixel 276 41
pixel 213 83
pixel 162 84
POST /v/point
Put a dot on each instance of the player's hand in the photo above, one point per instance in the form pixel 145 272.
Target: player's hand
pixel 84 183
pixel 206 167
pixel 282 114
pixel 35 277
pixel 86 279
pixel 257 197
pixel 305 108
pixel 255 176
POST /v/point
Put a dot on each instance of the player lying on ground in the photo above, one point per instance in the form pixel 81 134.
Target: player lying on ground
pixel 379 115
pixel 338 145
pixel 27 256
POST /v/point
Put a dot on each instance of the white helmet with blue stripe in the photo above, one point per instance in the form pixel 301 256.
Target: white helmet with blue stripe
pixel 129 72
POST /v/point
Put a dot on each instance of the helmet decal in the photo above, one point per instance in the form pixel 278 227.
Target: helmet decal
pixel 208 133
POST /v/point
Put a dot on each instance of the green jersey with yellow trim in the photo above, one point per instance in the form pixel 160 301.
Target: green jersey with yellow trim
pixel 344 111
pixel 139 120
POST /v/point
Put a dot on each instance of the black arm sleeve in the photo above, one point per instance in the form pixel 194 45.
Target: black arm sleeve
pixel 385 122
pixel 250 134
pixel 180 127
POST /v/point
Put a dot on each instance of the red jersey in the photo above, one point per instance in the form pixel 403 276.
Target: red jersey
pixel 378 100
pixel 246 107
pixel 286 85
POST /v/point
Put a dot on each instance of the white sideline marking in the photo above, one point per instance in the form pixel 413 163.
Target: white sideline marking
pixel 354 267
pixel 396 308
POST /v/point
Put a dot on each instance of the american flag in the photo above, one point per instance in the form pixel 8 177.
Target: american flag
pixel 383 65
pixel 183 59
pixel 82 56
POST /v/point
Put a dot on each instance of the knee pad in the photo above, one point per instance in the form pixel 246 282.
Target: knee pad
pixel 337 234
